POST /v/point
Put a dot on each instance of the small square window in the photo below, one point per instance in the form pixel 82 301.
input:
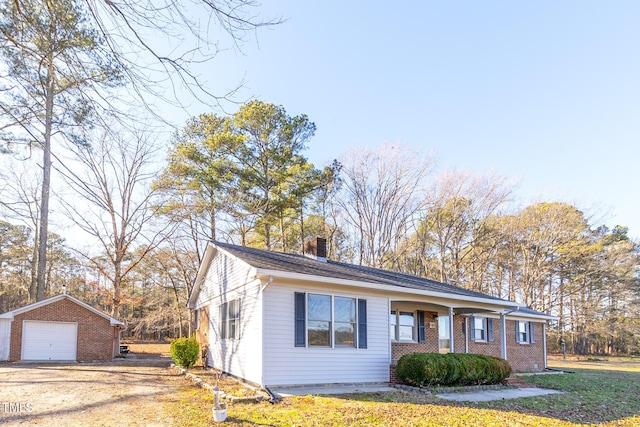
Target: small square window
pixel 524 332
pixel 480 328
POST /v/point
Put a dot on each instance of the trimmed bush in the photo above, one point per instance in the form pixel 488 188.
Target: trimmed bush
pixel 184 351
pixel 430 369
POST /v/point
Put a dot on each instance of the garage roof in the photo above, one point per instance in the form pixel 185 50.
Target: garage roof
pixel 12 313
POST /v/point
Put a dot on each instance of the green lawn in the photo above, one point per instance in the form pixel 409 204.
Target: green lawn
pixel 599 392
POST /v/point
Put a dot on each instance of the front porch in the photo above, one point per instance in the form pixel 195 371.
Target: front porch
pixel 427 327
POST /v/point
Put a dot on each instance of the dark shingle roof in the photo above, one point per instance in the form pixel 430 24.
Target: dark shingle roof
pixel 292 263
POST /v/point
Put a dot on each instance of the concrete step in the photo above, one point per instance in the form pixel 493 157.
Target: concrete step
pixel 518 382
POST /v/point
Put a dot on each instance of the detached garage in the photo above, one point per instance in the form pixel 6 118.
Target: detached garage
pixel 59 328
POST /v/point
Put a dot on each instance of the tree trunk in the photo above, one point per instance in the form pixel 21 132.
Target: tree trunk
pixel 33 285
pixel 46 182
pixel 117 282
pixel 302 226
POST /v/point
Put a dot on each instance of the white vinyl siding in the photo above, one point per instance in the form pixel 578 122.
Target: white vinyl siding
pixel 230 280
pixel 284 363
pixel 49 340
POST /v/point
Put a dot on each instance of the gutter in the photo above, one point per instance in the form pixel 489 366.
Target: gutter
pixel 387 288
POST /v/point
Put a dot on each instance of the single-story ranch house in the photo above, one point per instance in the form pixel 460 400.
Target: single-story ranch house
pixel 278 319
pixel 60 328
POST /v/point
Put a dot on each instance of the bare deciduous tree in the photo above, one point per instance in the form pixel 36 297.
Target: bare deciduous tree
pixel 159 43
pixel 52 63
pixel 21 201
pixel 382 193
pixel 115 184
pixel 457 205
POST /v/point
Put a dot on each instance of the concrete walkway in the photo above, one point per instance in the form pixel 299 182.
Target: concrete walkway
pixel 486 395
pixel 474 396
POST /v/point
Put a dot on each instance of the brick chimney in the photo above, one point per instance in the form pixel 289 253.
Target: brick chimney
pixel 316 248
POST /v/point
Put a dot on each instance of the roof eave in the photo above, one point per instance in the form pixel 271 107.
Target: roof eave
pixel 540 316
pixel 202 273
pixel 381 287
pixel 11 314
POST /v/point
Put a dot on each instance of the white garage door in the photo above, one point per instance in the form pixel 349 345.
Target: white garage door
pixel 49 340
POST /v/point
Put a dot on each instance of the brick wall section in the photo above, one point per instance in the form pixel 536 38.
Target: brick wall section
pixel 521 357
pixel 489 348
pixel 400 349
pixel 525 357
pixel 430 344
pixel 393 377
pixel 95 333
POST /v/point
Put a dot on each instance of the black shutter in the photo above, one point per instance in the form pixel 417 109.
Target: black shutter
pixel 532 336
pixel 300 319
pixel 517 331
pixel 362 323
pixel 490 330
pixel 421 335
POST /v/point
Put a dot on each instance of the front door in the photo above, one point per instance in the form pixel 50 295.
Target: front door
pixel 443 334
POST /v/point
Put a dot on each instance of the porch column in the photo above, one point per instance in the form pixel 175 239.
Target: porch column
pixel 466 334
pixel 544 343
pixel 503 336
pixel 451 329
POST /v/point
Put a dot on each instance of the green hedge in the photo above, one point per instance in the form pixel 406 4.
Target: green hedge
pixel 430 369
pixel 184 351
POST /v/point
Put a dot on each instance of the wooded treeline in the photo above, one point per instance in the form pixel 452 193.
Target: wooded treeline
pixel 244 179
pixel 127 231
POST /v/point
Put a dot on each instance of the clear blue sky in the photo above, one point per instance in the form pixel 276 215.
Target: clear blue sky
pixel 544 92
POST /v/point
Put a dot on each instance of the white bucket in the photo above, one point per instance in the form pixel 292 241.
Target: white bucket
pixel 219 415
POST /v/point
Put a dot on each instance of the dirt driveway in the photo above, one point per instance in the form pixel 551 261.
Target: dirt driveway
pixel 106 394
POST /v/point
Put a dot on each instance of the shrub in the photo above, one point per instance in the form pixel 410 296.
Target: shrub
pixel 184 351
pixel 429 369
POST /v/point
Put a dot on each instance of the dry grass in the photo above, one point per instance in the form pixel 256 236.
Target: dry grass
pixel 148 349
pixel 600 392
pixel 601 363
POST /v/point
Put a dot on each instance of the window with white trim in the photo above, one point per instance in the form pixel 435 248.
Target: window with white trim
pixel 319 320
pixel 402 325
pixel 344 313
pixel 525 332
pixel 481 329
pixel 329 321
pixel 230 320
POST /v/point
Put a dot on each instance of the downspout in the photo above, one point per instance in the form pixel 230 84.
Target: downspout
pixel 270 281
pixel 390 346
pixel 274 398
pixel 503 332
